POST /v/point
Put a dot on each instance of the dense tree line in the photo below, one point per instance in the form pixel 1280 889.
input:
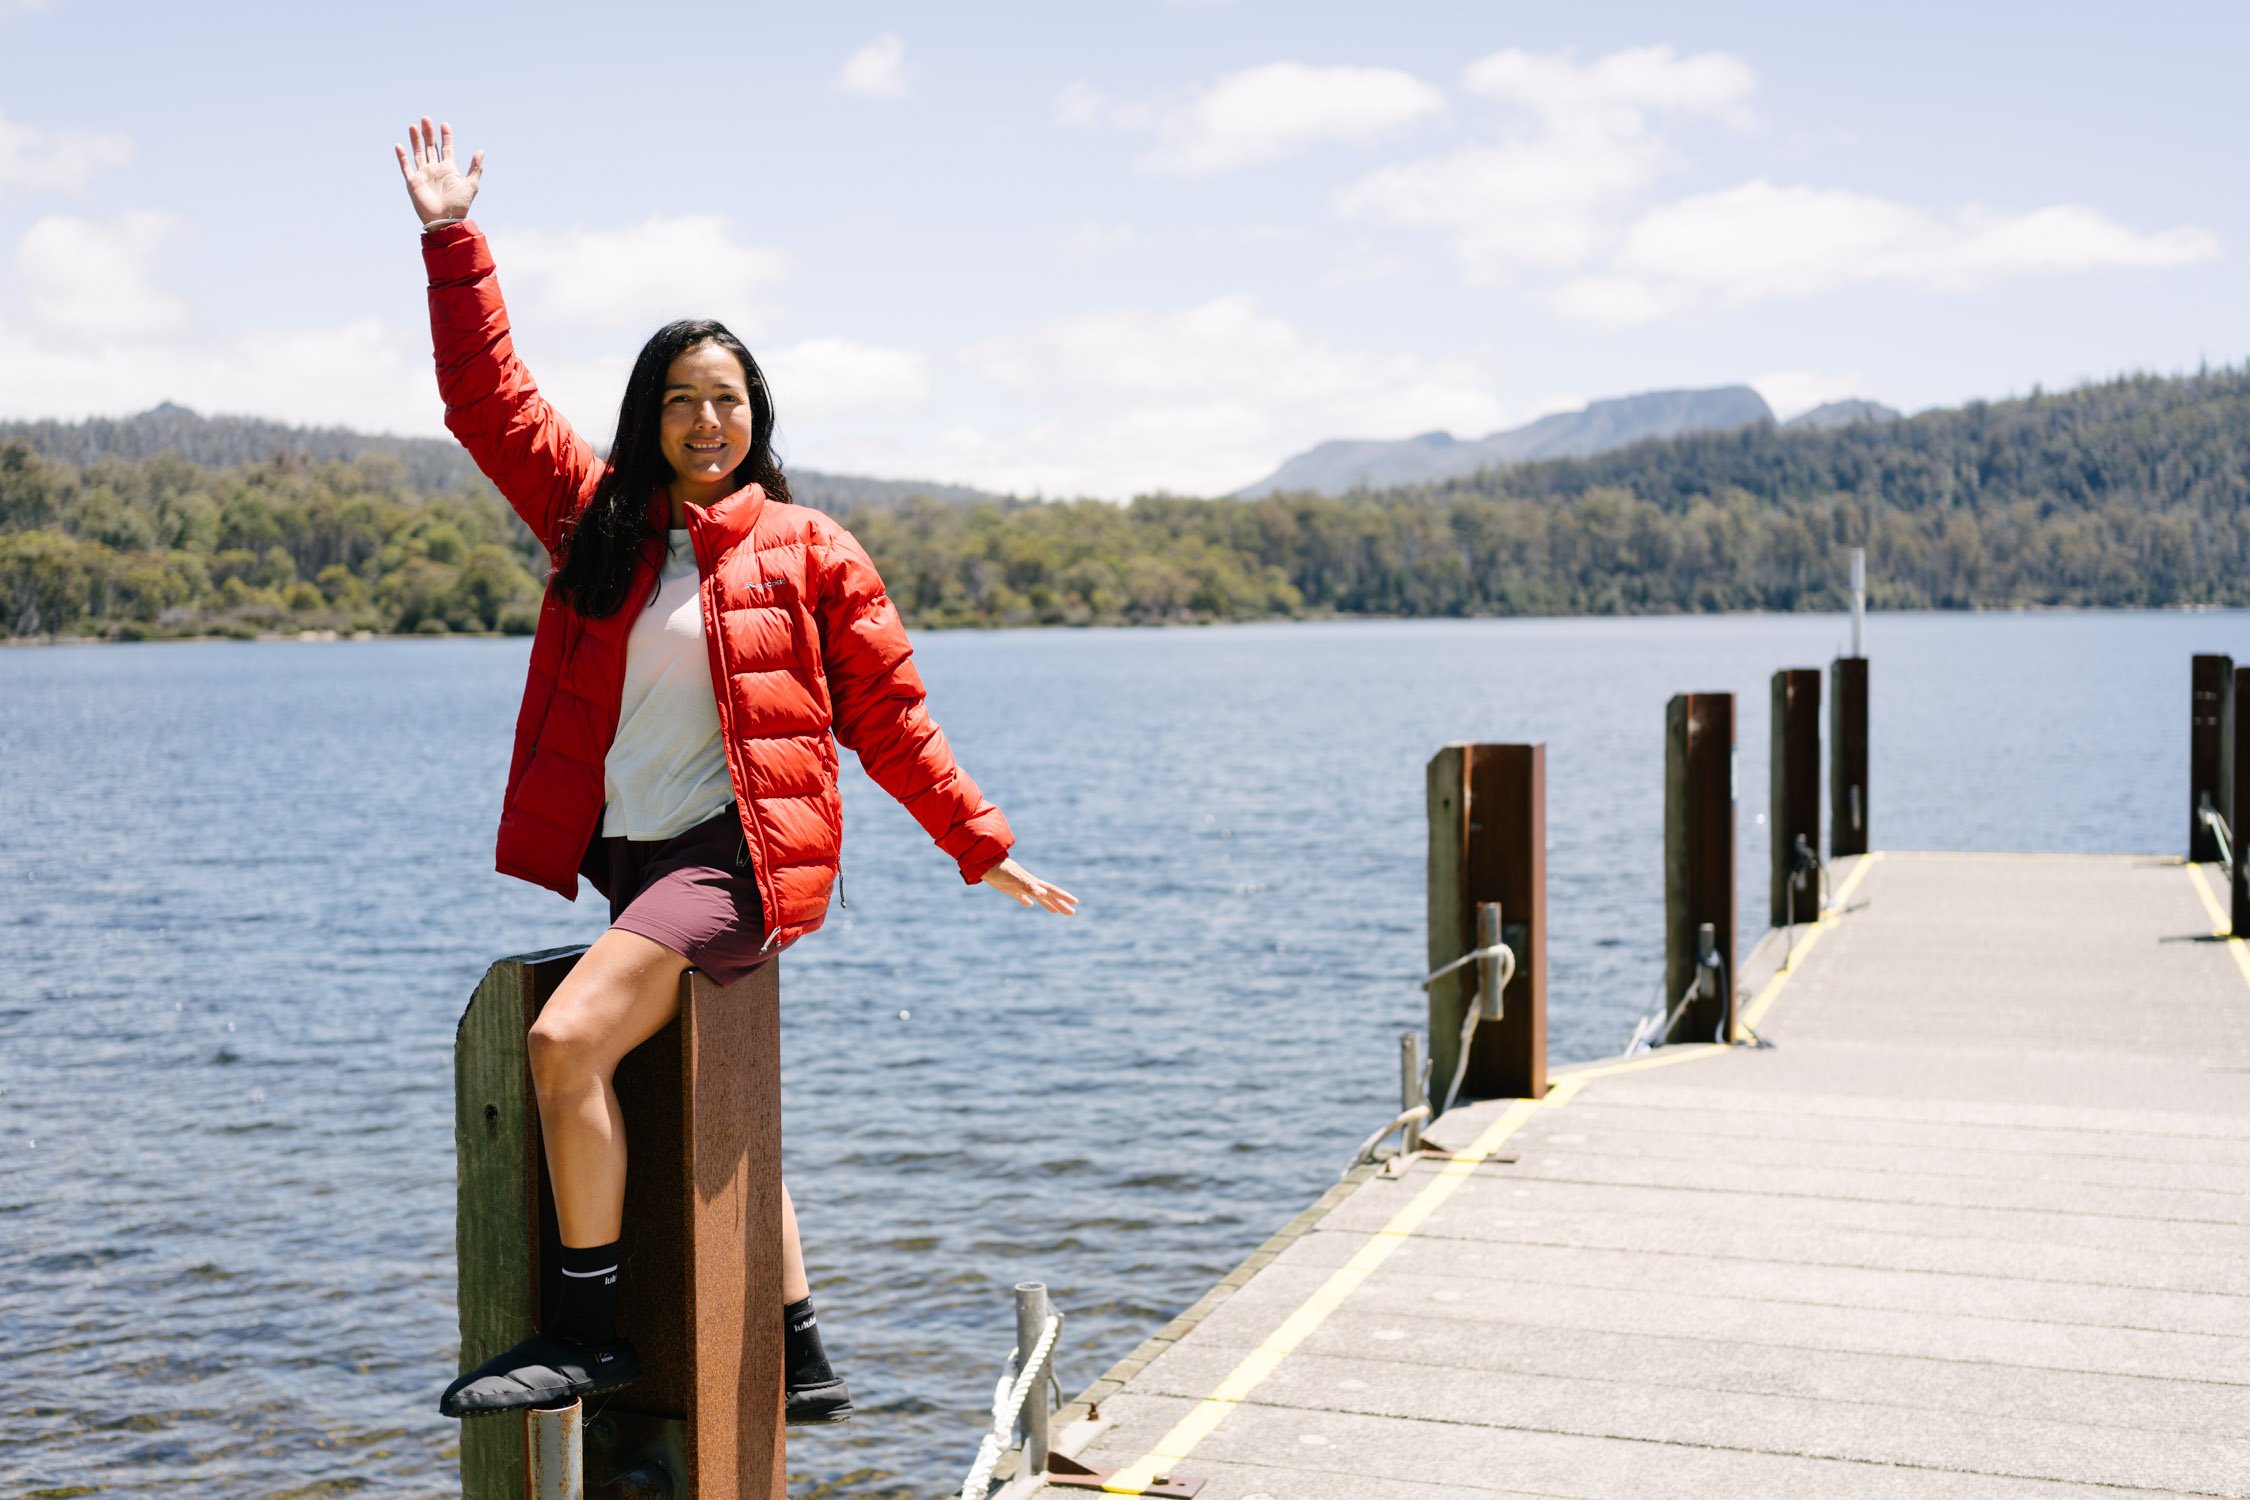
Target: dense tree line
pixel 165 547
pixel 2127 493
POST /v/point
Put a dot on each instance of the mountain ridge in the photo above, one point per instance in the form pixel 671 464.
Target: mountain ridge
pixel 224 441
pixel 1598 427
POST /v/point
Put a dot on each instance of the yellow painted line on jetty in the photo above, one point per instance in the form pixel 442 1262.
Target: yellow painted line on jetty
pixel 1262 1361
pixel 1756 1011
pixel 1205 1416
pixel 2222 924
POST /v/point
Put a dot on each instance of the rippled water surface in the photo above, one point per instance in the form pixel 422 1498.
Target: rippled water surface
pixel 248 888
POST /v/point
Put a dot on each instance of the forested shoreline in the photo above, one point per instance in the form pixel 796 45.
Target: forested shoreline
pixel 2129 493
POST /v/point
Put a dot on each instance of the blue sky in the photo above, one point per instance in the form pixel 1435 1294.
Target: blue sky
pixel 1103 249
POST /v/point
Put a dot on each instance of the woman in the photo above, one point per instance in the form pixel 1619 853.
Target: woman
pixel 702 646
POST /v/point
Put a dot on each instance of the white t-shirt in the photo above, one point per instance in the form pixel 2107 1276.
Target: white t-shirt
pixel 666 770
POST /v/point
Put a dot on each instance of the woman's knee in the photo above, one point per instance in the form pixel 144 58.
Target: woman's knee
pixel 566 1049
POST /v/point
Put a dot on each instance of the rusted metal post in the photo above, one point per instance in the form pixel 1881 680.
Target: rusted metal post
pixel 1793 797
pixel 1699 857
pixel 2211 779
pixel 2238 812
pixel 702 1299
pixel 1488 843
pixel 1847 756
pixel 553 1452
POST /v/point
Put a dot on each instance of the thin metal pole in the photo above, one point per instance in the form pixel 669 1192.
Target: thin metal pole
pixel 554 1451
pixel 1859 601
pixel 1032 1426
pixel 1410 1086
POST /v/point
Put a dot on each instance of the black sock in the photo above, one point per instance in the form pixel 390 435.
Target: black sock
pixel 587 1310
pixel 808 1363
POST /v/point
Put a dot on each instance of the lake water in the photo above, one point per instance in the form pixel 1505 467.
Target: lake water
pixel 248 889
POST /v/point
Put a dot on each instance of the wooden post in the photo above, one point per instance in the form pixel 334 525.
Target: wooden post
pixel 2210 752
pixel 2238 813
pixel 701 1291
pixel 1488 842
pixel 1793 796
pixel 1847 756
pixel 1699 855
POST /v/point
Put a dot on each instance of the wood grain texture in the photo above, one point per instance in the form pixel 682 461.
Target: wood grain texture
pixel 700 1293
pixel 1506 862
pixel 1448 801
pixel 732 1129
pixel 499 1187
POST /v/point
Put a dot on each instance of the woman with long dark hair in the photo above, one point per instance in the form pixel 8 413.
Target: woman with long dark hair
pixel 702 648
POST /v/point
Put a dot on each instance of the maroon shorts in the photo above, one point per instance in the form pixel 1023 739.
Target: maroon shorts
pixel 695 892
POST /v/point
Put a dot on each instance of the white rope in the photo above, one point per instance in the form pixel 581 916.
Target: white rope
pixel 1008 1398
pixel 1367 1147
pixel 1507 957
pixel 1472 1012
pixel 1469 957
pixel 2219 830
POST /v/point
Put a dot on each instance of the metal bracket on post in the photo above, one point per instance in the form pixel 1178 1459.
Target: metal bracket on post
pixel 1492 997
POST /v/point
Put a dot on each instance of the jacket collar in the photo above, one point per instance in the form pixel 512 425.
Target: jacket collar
pixel 727 520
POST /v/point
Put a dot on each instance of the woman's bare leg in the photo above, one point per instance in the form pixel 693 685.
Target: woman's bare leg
pixel 621 993
pixel 794 1286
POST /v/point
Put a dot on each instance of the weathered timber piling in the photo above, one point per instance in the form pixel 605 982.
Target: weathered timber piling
pixel 1793 797
pixel 702 1297
pixel 1488 843
pixel 2237 805
pixel 1699 857
pixel 1847 756
pixel 2211 780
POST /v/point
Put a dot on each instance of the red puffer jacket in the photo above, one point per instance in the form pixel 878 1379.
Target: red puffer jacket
pixel 806 648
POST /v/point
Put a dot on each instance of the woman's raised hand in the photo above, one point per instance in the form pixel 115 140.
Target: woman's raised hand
pixel 1012 879
pixel 439 188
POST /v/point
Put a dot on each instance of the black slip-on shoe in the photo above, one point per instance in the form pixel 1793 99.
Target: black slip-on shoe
pixel 540 1371
pixel 817 1405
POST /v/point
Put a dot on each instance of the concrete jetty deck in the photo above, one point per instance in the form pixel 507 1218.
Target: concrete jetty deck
pixel 1978 1225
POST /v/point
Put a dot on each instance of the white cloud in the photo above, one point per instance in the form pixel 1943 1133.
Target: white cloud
pixel 1263 114
pixel 1759 242
pixel 1200 400
pixel 97 280
pixel 1081 106
pixel 1617 92
pixel 1550 192
pixel 876 71
pixel 831 380
pixel 691 267
pixel 57 161
pixel 359 374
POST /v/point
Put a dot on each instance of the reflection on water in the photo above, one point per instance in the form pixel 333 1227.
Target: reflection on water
pixel 248 890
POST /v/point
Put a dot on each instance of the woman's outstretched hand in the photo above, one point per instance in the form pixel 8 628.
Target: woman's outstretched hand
pixel 1012 879
pixel 439 188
